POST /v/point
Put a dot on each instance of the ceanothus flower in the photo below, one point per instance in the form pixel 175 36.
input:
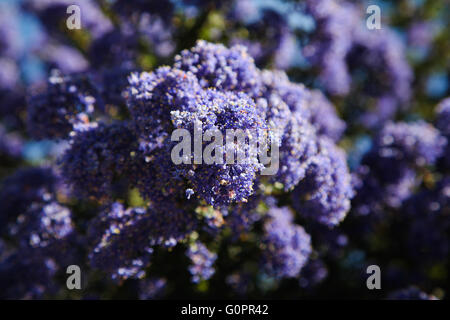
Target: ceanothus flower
pixel 294 95
pixel 97 157
pixel 323 116
pixel 219 184
pixel 65 104
pixel 285 246
pixel 325 192
pixel 298 146
pixel 169 99
pixel 121 242
pixel 202 261
pixel 287 114
pixel 224 68
pixel 124 238
pixel 151 98
pixel 387 175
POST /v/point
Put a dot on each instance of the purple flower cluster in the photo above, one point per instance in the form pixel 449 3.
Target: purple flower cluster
pixel 62 106
pixel 340 44
pixel 325 193
pixel 387 174
pixel 121 242
pixel 202 261
pixel 96 159
pixel 37 227
pixel 286 246
pixel 217 66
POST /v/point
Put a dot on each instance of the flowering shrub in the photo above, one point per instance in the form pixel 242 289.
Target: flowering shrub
pixel 88 123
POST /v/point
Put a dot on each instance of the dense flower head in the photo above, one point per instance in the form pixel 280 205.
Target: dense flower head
pixel 97 157
pixel 121 242
pixel 286 246
pixel 153 96
pixel 169 98
pixel 218 66
pixel 287 114
pixel 202 261
pixel 295 95
pixel 62 106
pixel 324 194
pixel 298 147
pixel 221 184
